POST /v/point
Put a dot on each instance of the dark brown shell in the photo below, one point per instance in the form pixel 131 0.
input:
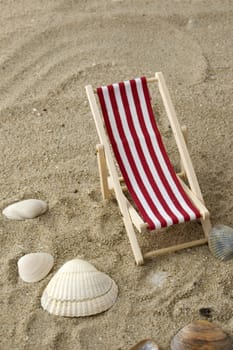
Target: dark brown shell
pixel 201 335
pixel 146 344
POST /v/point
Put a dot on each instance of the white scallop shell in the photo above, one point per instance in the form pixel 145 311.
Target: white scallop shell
pixel 35 266
pixel 79 289
pixel 26 209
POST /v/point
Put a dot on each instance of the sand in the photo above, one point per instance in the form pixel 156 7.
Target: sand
pixel 49 51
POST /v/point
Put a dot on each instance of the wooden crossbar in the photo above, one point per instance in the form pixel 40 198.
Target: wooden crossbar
pixel 149 80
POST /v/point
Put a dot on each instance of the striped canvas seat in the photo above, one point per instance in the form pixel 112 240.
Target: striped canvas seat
pixel 141 155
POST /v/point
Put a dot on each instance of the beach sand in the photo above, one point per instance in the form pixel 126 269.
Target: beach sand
pixel 49 51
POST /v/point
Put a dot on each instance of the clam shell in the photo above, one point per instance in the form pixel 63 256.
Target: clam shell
pixel 146 344
pixel 221 242
pixel 34 267
pixel 79 289
pixel 201 335
pixel 26 209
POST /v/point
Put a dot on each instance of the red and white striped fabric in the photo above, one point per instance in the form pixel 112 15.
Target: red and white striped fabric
pixel 141 155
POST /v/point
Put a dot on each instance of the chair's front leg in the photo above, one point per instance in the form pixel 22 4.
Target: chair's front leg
pixel 206 225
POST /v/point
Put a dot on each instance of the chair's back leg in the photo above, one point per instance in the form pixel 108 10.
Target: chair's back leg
pixel 106 193
pixel 178 135
pixel 184 130
pixel 180 138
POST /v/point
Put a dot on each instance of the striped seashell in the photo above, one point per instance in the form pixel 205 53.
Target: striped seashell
pixel 146 344
pixel 34 267
pixel 26 209
pixel 221 242
pixel 79 289
pixel 201 335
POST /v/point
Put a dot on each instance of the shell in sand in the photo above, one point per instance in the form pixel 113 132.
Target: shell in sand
pixel 201 335
pixel 79 289
pixel 221 242
pixel 34 267
pixel 146 344
pixel 26 209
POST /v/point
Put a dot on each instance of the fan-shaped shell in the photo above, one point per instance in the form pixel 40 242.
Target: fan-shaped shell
pixel 26 209
pixel 146 344
pixel 221 242
pixel 34 267
pixel 79 289
pixel 201 335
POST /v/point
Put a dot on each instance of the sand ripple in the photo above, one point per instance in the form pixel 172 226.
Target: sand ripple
pixel 49 51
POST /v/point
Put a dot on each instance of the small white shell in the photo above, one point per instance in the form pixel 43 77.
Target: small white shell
pixel 26 209
pixel 79 289
pixel 34 267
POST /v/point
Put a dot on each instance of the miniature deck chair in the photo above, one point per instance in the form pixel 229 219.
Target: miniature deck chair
pixel 160 195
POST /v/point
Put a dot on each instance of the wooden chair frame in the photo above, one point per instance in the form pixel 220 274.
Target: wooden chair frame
pixel 111 183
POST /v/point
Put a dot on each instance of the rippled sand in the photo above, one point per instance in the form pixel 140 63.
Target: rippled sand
pixel 49 51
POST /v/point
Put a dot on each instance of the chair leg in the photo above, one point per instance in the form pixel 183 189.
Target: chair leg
pixel 184 130
pixel 133 240
pixel 206 225
pixel 106 193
